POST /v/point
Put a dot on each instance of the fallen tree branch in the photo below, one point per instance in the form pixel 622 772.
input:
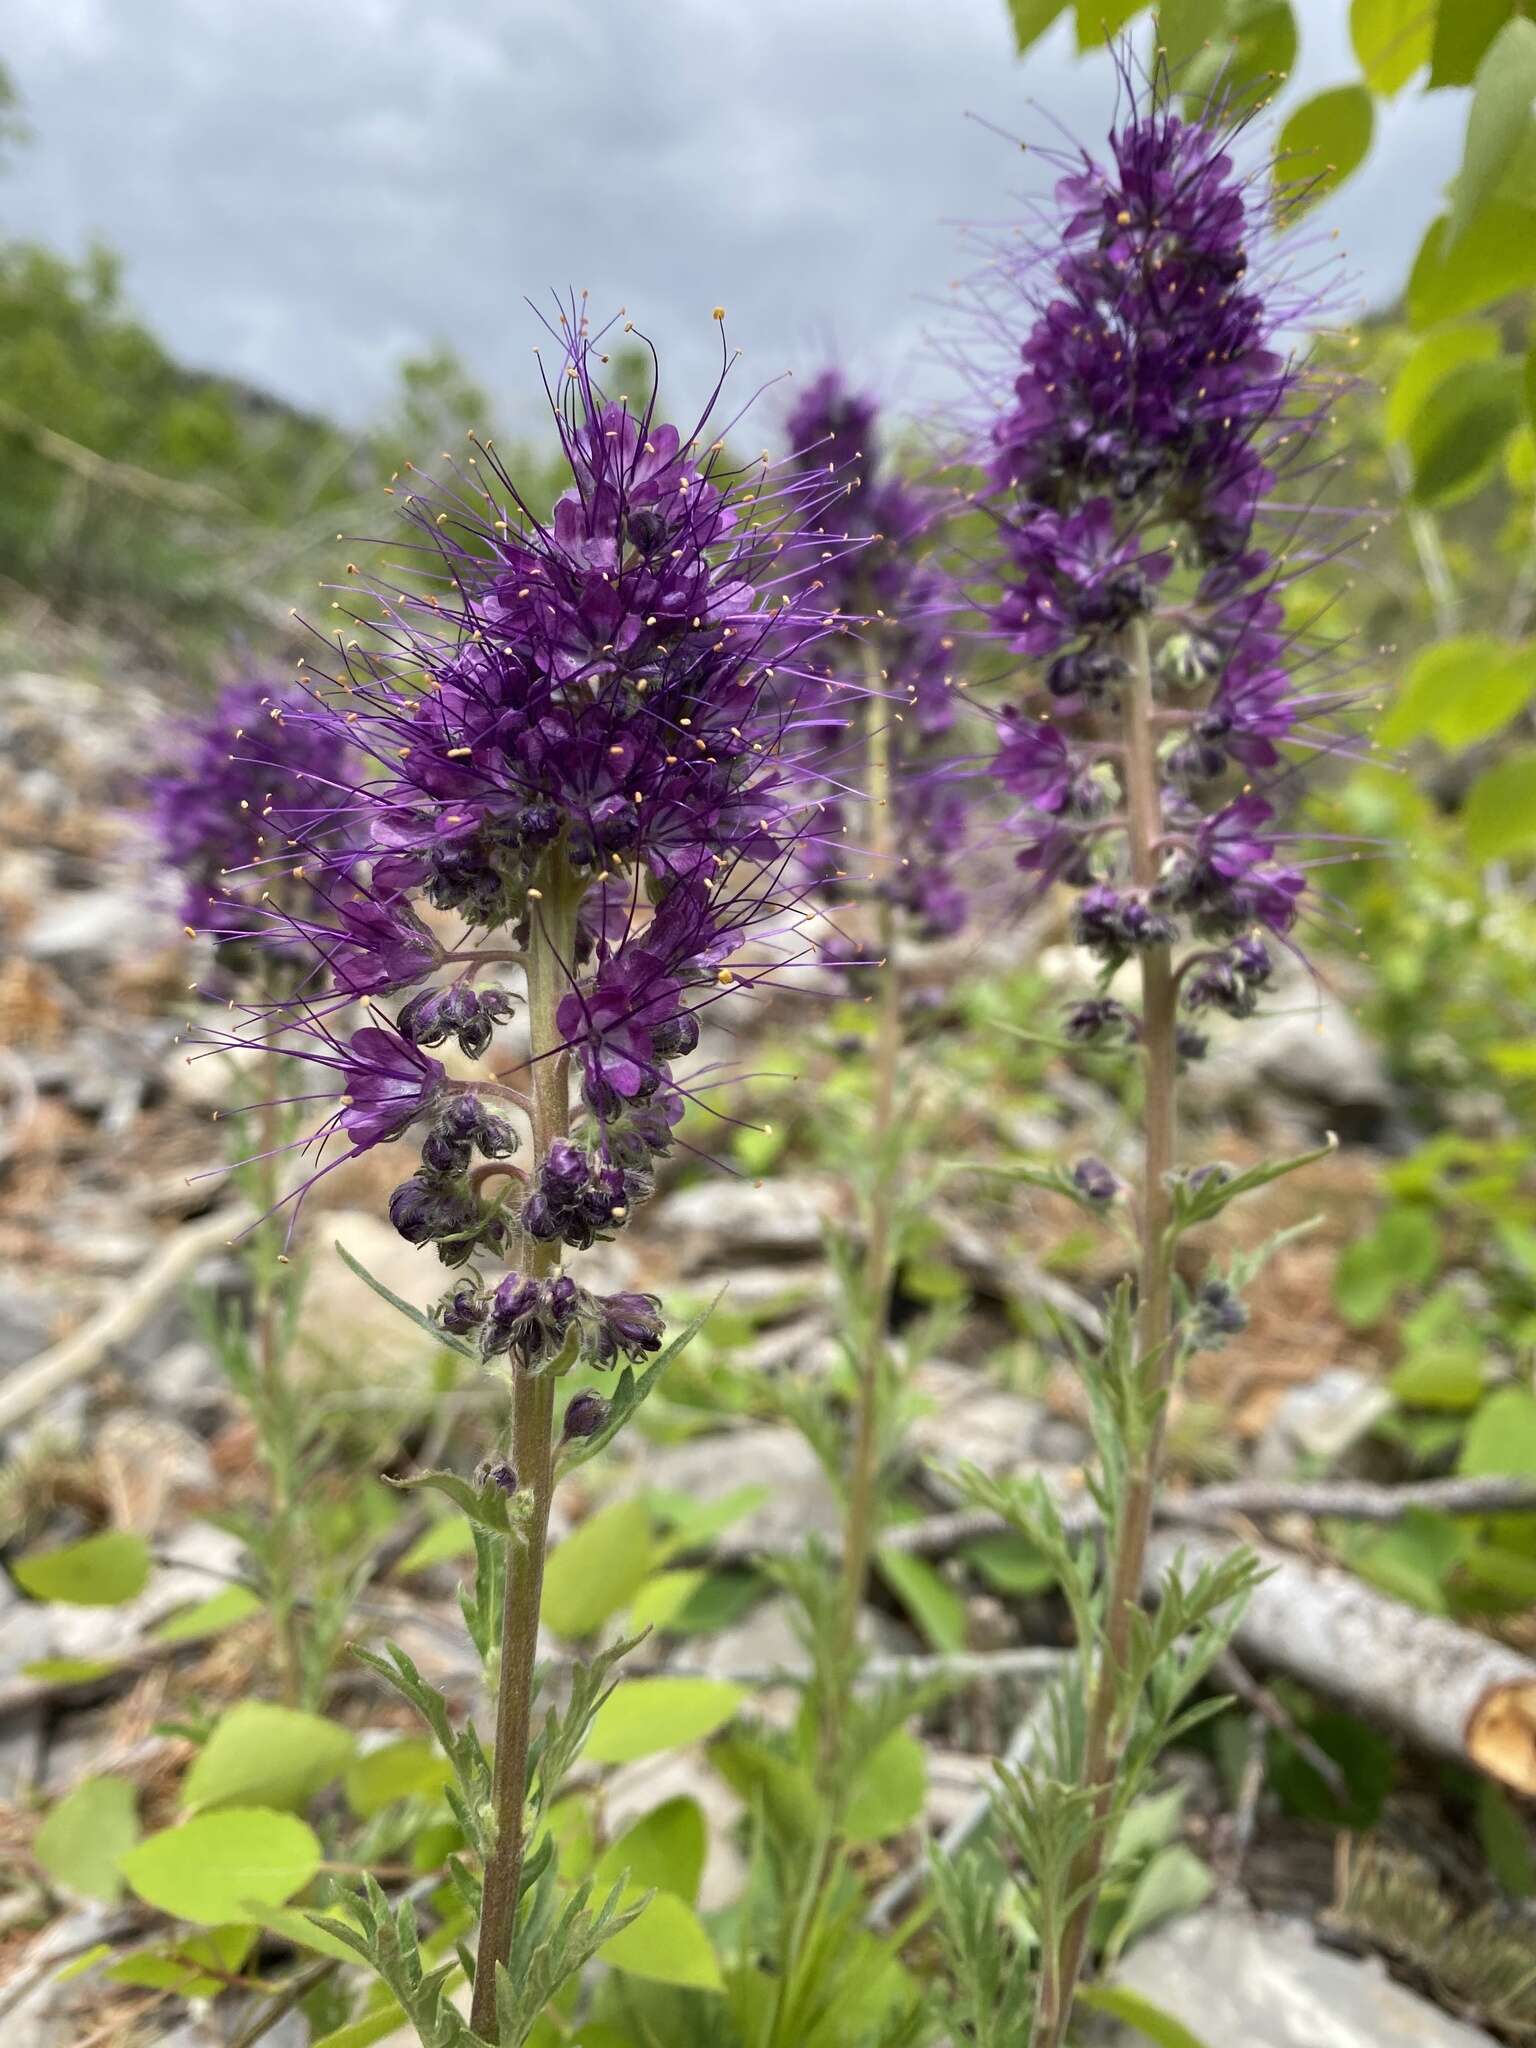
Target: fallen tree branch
pixel 1445 1688
pixel 30 1385
pixel 1209 1507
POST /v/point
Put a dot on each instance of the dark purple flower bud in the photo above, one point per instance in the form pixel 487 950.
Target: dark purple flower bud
pixel 585 1414
pixel 1218 1314
pixel 1094 1180
pixel 565 1167
pixel 1100 1017
pixel 461 1311
pixel 677 1036
pixel 497 1472
pixel 630 1324
pixel 445 1155
pixel 1190 1045
pixel 539 1219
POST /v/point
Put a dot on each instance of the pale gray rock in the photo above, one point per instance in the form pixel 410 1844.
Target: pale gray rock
pixel 799 1501
pixel 1320 1423
pixel 1233 1977
pixel 719 1217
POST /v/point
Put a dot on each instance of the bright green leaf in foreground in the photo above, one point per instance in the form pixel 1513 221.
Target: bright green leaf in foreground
pixel 662 1852
pixel 1392 40
pixel 1147 2019
pixel 1458 432
pixel 597 1569
pixel 644 1715
pixel 1499 121
pixel 1500 814
pixel 1324 139
pixel 1460 691
pixel 220 1866
pixel 1431 362
pixel 1463 31
pixel 412 1768
pixel 100 1571
pixel 80 1842
pixel 666 1945
pixel 1255 59
pixel 1495 255
pixel 1031 19
pixel 889 1791
pixel 264 1755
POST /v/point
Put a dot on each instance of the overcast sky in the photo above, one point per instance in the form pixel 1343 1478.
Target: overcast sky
pixel 304 191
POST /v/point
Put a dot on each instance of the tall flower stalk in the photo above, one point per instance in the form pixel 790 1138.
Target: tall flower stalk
pixel 242 784
pixel 590 740
pixel 1147 473
pixel 896 806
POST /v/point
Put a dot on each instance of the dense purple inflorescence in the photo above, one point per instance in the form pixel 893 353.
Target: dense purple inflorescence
pixel 1132 472
pixel 590 736
pixel 248 780
pixel 896 605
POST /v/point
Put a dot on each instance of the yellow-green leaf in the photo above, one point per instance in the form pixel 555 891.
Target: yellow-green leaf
pixel 207 1617
pixel 1031 19
pixel 265 1755
pixel 1494 256
pixel 1463 31
pixel 1431 362
pixel 82 1840
pixel 220 1866
pixel 666 1945
pixel 1323 141
pixel 1392 40
pixel 663 1851
pixel 100 1571
pixel 1457 434
pixel 1461 690
pixel 889 1791
pixel 644 1715
pixel 1498 123
pixel 598 1568
pixel 412 1768
pixel 1500 817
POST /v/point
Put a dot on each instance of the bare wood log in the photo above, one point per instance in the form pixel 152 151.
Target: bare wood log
pixel 1444 1688
pixel 51 1371
pixel 1212 1507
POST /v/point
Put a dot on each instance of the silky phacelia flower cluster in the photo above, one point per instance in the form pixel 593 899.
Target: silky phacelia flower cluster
pixel 1132 472
pixel 246 782
pixel 590 742
pixel 893 604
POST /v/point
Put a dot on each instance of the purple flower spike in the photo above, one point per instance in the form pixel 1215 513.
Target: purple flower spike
pixel 1152 412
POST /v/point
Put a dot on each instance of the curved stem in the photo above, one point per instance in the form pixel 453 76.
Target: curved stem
pixel 533 1413
pixel 1109 1711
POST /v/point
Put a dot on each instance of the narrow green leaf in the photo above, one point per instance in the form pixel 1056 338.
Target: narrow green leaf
pixel 217 1866
pixel 1499 121
pixel 1392 40
pixel 1148 2020
pixel 209 1617
pixel 1323 141
pixel 100 1571
pixel 82 1840
pixel 411 1313
pixel 644 1715
pixel 933 1604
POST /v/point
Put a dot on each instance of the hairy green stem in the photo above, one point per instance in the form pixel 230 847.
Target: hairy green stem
pixel 1108 1710
pixel 552 928
pixel 879 1257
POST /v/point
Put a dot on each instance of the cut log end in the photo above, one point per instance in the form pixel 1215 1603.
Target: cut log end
pixel 1501 1736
